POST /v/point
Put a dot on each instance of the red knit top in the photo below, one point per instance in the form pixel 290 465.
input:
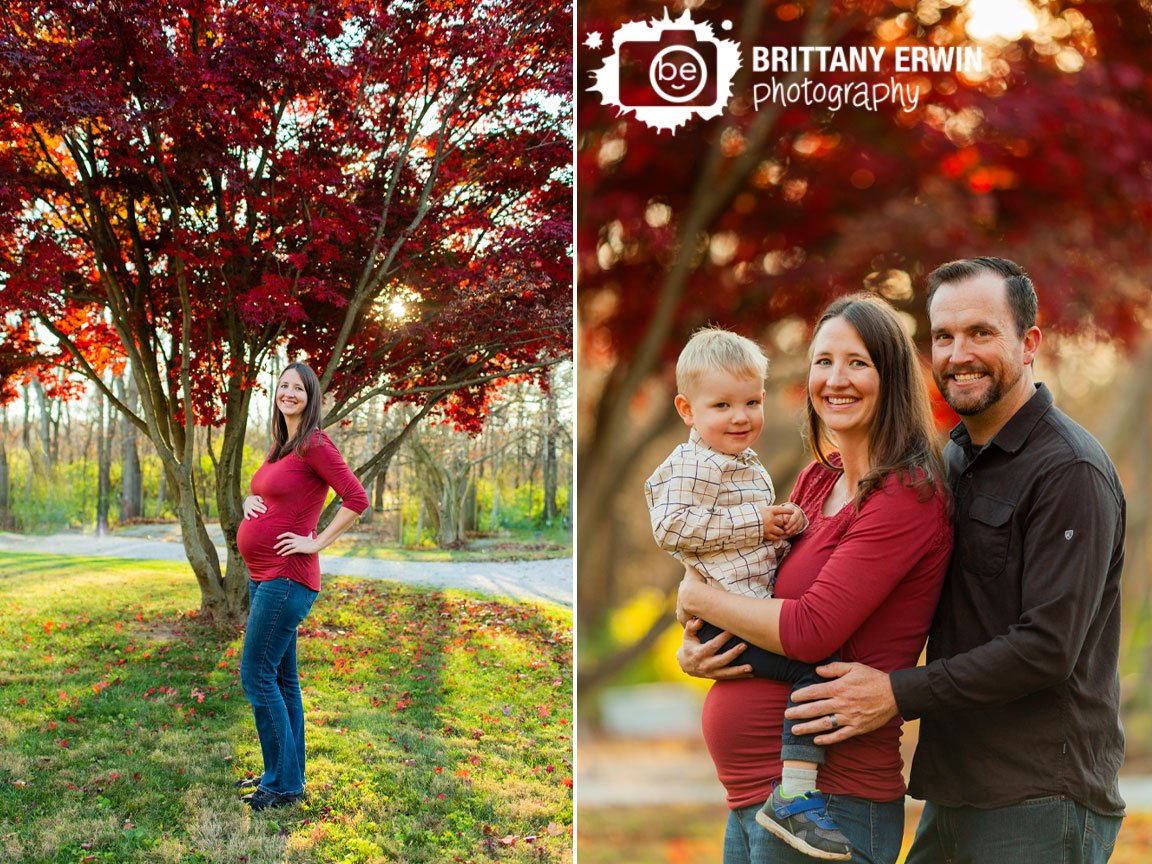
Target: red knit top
pixel 864 584
pixel 294 489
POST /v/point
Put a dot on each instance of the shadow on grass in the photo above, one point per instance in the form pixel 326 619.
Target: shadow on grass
pixel 116 733
pixel 439 731
pixel 437 724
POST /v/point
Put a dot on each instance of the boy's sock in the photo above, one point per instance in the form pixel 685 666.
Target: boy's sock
pixel 797 781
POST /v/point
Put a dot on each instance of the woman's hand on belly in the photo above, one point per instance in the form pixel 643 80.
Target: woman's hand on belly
pixel 253 506
pixel 296 544
pixel 700 660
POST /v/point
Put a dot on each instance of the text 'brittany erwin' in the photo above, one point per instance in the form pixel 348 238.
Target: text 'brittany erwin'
pixel 839 58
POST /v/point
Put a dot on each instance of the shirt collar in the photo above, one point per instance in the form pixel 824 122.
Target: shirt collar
pixel 1015 432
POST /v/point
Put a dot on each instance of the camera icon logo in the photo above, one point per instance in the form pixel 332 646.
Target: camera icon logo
pixel 678 70
pixel 667 72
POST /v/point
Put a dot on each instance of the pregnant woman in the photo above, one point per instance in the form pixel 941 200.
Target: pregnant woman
pixel 279 543
pixel 862 580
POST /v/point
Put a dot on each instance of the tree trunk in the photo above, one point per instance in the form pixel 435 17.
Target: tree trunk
pixel 229 497
pixel 551 470
pixel 64 423
pixel 52 418
pixel 5 502
pixel 453 504
pixel 201 553
pixel 35 457
pixel 45 425
pixel 103 465
pixel 160 492
pixel 446 535
pixel 470 512
pixel 131 477
pixel 401 510
pixel 494 522
pixel 381 485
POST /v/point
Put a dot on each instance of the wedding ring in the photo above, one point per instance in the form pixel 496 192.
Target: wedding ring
pixel 832 721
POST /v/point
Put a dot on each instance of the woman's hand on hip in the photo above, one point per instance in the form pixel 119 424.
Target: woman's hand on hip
pixel 253 506
pixel 701 660
pixel 296 544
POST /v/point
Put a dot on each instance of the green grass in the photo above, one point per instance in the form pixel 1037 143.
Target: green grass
pixel 438 724
pixel 520 544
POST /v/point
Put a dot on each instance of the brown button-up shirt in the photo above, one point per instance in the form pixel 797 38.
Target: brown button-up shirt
pixel 1020 696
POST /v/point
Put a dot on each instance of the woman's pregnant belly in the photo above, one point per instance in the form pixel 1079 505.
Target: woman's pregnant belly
pixel 256 540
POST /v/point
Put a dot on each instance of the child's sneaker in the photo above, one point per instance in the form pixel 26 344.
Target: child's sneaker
pixel 804 824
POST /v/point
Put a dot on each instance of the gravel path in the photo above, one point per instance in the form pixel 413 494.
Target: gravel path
pixel 549 580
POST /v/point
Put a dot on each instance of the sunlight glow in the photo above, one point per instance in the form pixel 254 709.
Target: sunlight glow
pixel 1002 19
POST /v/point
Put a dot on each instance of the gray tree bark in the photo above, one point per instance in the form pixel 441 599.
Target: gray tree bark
pixel 131 476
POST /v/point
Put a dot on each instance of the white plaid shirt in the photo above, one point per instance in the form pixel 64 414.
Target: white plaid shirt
pixel 705 510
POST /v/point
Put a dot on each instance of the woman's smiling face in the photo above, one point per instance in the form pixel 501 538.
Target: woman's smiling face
pixel 291 397
pixel 843 383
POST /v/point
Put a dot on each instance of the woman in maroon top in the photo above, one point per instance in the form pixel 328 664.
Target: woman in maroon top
pixel 279 544
pixel 863 580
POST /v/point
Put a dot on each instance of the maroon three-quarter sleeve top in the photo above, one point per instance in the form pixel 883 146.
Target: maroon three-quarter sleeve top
pixel 862 583
pixel 294 489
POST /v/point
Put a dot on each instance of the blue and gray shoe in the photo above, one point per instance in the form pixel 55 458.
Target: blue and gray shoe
pixel 804 824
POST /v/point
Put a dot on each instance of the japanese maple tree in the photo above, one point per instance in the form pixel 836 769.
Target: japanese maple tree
pixel 187 188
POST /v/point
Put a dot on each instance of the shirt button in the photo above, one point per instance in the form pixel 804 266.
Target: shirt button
pixel 969 475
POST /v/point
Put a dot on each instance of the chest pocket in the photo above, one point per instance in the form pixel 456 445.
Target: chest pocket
pixel 987 535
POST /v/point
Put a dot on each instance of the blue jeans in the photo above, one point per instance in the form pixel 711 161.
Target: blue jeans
pixel 268 674
pixel 1050 830
pixel 875 829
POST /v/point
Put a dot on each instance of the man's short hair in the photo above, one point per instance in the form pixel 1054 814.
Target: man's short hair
pixel 1021 293
pixel 716 349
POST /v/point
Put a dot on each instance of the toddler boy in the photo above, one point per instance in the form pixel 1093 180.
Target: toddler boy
pixel 711 505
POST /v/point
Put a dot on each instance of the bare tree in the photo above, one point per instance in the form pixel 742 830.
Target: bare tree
pixel 131 477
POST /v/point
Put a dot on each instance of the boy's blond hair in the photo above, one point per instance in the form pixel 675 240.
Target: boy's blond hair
pixel 715 349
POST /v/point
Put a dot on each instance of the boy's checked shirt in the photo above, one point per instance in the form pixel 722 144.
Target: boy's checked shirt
pixel 705 510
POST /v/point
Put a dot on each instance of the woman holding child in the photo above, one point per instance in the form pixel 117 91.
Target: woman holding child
pixel 278 542
pixel 861 579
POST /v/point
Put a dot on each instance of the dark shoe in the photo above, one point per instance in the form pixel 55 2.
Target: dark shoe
pixel 262 799
pixel 804 824
pixel 249 783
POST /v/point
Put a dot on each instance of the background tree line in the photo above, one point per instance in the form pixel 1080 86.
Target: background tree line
pixel 73 463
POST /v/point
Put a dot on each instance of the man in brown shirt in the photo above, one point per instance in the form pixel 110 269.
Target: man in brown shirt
pixel 1020 738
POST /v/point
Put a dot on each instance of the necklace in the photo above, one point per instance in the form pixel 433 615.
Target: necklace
pixel 847 498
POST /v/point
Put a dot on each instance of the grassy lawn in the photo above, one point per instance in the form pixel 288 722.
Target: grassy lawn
pixel 498 551
pixel 523 544
pixel 438 724
pixel 695 834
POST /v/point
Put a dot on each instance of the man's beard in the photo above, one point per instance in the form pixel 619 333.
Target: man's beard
pixel 970 405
